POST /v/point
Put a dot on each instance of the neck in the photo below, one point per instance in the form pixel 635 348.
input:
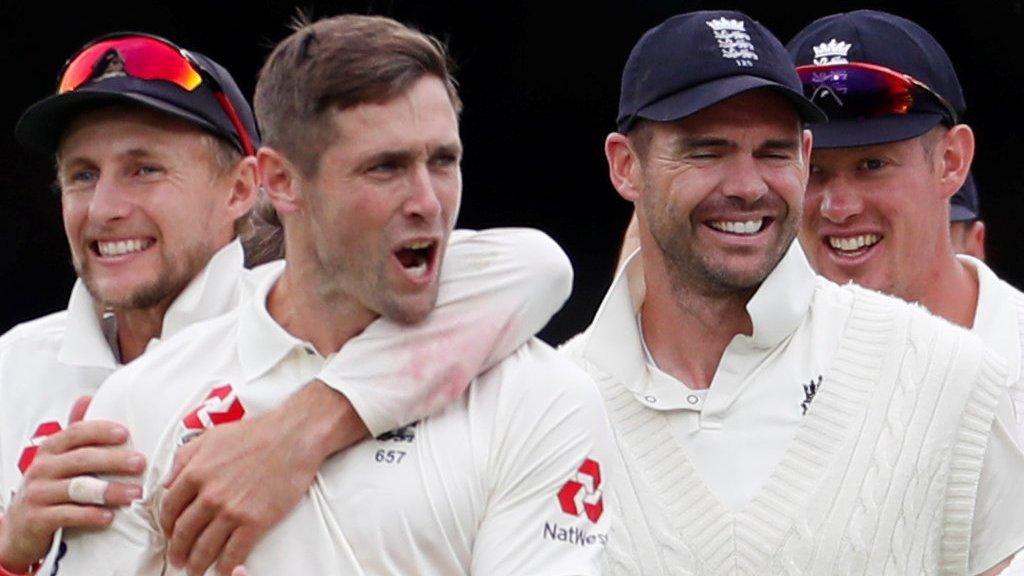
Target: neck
pixel 327 321
pixel 135 328
pixel 951 291
pixel 688 330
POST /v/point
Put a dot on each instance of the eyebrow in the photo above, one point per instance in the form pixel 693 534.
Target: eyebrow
pixel 691 142
pixel 405 157
pixel 780 144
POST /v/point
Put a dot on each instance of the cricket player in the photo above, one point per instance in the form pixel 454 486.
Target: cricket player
pixel 769 420
pixel 361 160
pixel 155 156
pixel 883 173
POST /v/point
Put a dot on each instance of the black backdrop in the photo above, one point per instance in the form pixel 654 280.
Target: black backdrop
pixel 540 84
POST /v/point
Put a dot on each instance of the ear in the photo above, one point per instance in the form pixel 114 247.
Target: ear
pixel 806 145
pixel 957 155
pixel 623 166
pixel 975 241
pixel 280 180
pixel 244 187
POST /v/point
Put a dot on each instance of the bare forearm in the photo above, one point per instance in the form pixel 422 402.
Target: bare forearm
pixel 332 423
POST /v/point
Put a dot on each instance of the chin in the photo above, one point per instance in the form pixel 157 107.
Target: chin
pixel 410 310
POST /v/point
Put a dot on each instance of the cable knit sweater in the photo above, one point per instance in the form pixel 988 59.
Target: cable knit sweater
pixel 880 477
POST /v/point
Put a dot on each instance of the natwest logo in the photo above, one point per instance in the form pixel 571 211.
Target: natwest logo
pixel 220 407
pixel 582 494
pixel 29 453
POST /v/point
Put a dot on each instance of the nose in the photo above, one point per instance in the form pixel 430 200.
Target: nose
pixel 839 202
pixel 744 181
pixel 109 200
pixel 423 201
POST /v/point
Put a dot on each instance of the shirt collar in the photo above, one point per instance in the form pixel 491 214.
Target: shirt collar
pixel 781 302
pixel 996 320
pixel 262 342
pixel 613 341
pixel 215 290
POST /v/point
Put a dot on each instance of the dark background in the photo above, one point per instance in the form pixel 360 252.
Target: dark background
pixel 540 84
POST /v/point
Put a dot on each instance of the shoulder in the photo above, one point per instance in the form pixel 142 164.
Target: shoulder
pixel 41 331
pixel 535 379
pixel 188 349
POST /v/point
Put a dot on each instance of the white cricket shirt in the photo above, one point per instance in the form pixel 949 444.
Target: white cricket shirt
pixel 999 321
pixel 48 363
pixel 507 479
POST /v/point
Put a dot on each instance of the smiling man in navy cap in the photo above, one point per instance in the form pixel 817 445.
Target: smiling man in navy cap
pixel 771 421
pixel 889 172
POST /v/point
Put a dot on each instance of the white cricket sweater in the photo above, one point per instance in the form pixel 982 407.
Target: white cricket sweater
pixel 881 476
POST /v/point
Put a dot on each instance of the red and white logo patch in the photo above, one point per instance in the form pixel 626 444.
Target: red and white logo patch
pixel 220 407
pixel 29 453
pixel 582 494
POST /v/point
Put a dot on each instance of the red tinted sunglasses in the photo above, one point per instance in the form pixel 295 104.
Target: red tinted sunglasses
pixel 147 58
pixel 858 91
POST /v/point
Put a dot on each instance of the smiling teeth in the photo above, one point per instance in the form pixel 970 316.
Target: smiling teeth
pixel 854 243
pixel 121 247
pixel 418 245
pixel 748 227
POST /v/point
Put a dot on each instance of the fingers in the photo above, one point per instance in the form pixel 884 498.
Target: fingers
pixel 186 530
pixel 208 546
pixel 177 497
pixel 49 519
pixel 91 433
pixel 237 549
pixel 78 409
pixel 121 494
pixel 182 458
pixel 87 460
pixel 239 571
pixel 87 490
pixel 46 493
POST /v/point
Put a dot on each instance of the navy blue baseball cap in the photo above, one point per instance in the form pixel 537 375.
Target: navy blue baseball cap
pixel 877 39
pixel 144 70
pixel 694 60
pixel 964 206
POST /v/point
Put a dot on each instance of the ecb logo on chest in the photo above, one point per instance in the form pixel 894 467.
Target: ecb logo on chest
pixel 220 406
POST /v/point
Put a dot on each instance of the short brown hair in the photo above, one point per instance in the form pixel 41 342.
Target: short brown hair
pixel 334 64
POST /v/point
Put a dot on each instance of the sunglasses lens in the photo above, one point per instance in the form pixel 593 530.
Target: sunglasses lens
pixel 852 93
pixel 136 56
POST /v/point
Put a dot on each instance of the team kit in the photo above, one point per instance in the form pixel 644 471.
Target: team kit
pixel 280 356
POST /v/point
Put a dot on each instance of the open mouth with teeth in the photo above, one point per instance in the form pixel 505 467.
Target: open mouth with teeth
pixel 851 246
pixel 417 258
pixel 740 227
pixel 114 248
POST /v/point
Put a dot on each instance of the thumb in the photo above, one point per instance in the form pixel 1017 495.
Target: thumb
pixel 78 410
pixel 239 571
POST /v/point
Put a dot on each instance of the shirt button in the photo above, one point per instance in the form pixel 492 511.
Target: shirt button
pixel 310 351
pixel 692 399
pixel 650 399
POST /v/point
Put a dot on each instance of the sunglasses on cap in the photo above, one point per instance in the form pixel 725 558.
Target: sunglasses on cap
pixel 860 91
pixel 145 57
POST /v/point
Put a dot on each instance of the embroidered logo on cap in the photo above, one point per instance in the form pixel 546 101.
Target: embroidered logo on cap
pixel 733 40
pixel 832 52
pixel 29 453
pixel 582 494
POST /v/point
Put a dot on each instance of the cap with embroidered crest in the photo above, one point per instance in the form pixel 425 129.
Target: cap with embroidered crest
pixel 880 77
pixel 692 61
